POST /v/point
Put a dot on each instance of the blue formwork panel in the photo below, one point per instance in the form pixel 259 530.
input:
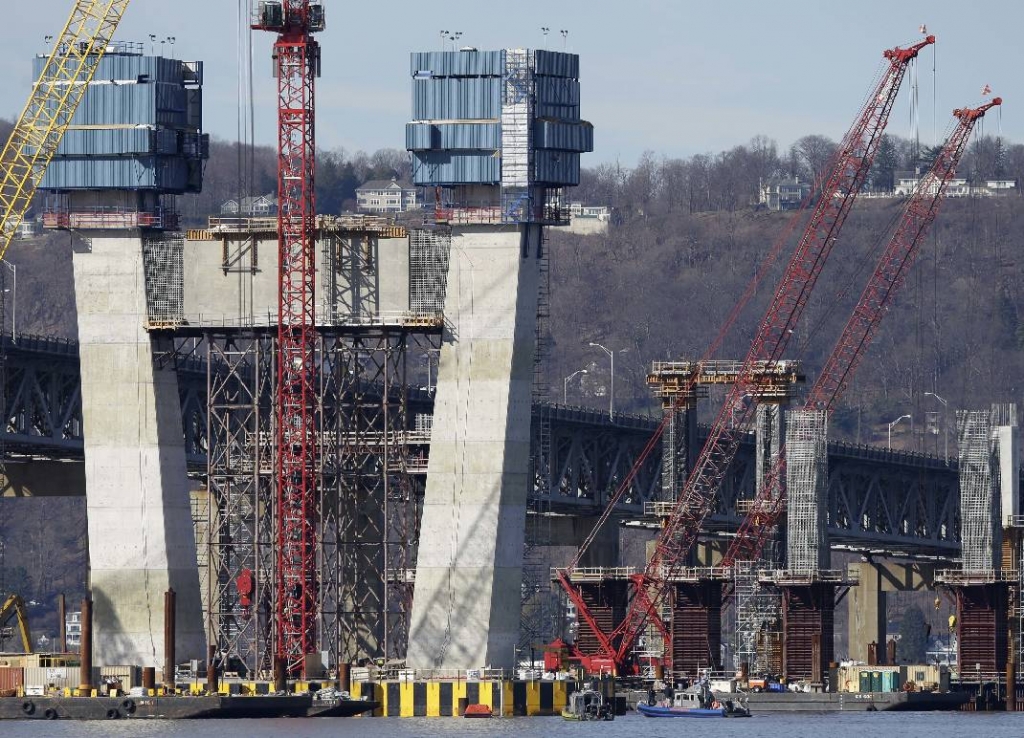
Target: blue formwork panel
pixel 132 104
pixel 556 64
pixel 116 142
pixel 560 168
pixel 457 64
pixel 129 68
pixel 549 134
pixel 456 98
pixel 452 136
pixel 167 174
pixel 557 91
pixel 441 168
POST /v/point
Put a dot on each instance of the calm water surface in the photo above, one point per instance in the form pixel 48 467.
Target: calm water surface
pixel 834 725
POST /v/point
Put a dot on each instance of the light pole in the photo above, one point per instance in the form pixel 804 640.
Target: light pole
pixel 893 423
pixel 945 423
pixel 14 300
pixel 565 385
pixel 611 386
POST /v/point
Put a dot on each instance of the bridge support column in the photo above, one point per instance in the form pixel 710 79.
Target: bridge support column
pixel 465 610
pixel 867 622
pixel 141 539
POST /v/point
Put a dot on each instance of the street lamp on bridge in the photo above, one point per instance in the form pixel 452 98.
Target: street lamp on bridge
pixel 611 384
pixel 945 423
pixel 565 385
pixel 893 423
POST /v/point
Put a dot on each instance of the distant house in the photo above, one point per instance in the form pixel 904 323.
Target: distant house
pixel 386 196
pixel 261 206
pixel 784 194
pixel 585 220
pixel 1001 186
pixel 904 184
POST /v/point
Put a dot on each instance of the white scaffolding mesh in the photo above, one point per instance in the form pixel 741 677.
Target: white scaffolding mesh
pixel 428 269
pixel 806 490
pixel 978 514
pixel 163 258
pixel 758 617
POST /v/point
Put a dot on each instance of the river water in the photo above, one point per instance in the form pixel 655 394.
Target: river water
pixel 806 725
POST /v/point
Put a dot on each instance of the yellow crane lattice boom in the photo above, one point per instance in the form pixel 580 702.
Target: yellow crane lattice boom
pixel 48 112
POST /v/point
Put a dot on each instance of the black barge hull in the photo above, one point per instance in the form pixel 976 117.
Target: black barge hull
pixel 175 707
pixel 854 702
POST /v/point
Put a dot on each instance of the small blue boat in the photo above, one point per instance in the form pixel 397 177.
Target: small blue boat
pixel 696 702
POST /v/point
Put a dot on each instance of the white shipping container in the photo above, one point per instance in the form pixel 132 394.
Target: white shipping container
pixel 57 677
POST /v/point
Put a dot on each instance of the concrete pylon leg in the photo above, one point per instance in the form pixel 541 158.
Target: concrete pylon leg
pixel 141 539
pixel 866 603
pixel 469 567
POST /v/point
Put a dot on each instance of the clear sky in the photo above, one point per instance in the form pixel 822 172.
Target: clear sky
pixel 673 76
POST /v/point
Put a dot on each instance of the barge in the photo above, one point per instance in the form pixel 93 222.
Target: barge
pixel 178 707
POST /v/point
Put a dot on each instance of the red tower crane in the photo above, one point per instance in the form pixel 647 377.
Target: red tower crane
pixel 296 66
pixel 849 170
pixel 890 272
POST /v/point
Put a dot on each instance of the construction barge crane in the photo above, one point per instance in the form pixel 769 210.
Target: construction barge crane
pixel 296 67
pixel 919 213
pixel 849 171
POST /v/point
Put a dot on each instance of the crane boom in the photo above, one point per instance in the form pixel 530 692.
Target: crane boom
pixel 296 66
pixel 51 106
pixel 849 172
pixel 918 215
pixel 15 606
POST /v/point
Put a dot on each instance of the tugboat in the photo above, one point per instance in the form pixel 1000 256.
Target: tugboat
pixel 587 704
pixel 697 701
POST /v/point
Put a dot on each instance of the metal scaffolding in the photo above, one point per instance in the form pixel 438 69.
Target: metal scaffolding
pixel 369 495
pixel 807 491
pixel 237 533
pixel 163 256
pixel 978 520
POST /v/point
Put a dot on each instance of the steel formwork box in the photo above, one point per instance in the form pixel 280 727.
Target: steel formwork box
pixel 807 612
pixel 696 627
pixel 982 622
pixel 607 602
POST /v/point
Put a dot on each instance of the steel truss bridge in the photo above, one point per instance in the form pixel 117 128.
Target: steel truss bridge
pixel 879 500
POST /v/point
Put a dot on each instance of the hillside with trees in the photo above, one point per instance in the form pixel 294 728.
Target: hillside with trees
pixel 686 237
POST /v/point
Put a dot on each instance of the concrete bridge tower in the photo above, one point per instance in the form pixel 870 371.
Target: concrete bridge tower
pixel 496 135
pixel 133 144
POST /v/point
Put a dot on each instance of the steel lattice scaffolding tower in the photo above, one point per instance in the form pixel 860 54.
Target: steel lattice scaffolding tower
pixel 238 528
pixel 369 494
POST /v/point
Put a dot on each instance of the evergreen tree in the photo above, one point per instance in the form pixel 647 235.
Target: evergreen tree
pixel 885 165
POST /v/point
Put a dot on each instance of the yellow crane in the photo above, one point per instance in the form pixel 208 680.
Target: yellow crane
pixel 55 96
pixel 15 606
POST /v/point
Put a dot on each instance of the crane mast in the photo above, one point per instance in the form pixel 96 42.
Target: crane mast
pixel 849 172
pixel 890 272
pixel 52 104
pixel 296 66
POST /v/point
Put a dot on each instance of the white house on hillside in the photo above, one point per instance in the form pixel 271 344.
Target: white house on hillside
pixel 261 206
pixel 386 196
